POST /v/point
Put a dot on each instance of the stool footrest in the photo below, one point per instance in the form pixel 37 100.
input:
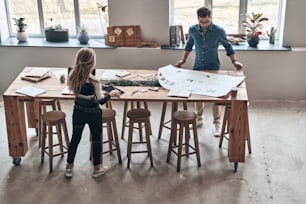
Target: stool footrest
pixel 139 142
pixel 140 151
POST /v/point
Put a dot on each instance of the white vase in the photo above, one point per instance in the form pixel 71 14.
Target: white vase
pixel 22 36
pixel 83 37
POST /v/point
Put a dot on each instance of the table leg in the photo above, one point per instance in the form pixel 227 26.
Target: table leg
pixel 16 126
pixel 238 130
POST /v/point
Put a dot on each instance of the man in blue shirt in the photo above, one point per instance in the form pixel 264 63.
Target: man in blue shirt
pixel 206 38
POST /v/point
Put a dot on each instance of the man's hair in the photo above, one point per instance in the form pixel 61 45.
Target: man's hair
pixel 203 12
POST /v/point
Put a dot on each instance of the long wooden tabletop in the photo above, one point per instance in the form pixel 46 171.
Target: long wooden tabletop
pixel 54 88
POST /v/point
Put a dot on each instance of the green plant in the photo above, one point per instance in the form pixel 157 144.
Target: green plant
pixel 271 35
pixel 19 22
pixel 253 24
pixel 83 29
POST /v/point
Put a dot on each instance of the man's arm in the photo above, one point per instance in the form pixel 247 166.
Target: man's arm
pixel 180 62
pixel 238 65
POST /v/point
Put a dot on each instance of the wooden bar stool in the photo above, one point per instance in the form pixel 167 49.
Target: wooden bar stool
pixel 109 122
pixel 44 106
pixel 226 128
pixel 139 116
pixel 164 124
pixel 133 105
pixel 52 119
pixel 183 118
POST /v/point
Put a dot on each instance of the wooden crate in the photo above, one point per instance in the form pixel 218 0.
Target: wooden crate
pixel 123 36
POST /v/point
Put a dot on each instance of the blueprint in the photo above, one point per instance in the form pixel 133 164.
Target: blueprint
pixel 197 82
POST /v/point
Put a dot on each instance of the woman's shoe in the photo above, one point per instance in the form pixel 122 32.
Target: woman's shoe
pixel 68 173
pixel 99 172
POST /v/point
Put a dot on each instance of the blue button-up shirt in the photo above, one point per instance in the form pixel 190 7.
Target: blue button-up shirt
pixel 206 46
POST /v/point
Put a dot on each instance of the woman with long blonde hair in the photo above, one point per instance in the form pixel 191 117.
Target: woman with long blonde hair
pixel 86 110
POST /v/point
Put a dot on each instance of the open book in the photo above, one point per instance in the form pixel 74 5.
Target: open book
pixel 30 91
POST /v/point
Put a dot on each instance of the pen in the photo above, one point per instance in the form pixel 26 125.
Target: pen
pixel 134 92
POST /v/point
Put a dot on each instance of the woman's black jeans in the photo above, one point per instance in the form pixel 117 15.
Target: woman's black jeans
pixel 93 117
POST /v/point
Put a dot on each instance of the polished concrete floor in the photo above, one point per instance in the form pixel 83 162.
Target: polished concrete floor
pixel 274 173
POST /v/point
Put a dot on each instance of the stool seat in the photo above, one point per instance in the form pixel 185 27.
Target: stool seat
pixel 52 119
pixel 53 116
pixel 184 116
pixel 140 116
pixel 165 124
pixel 108 113
pixel 133 105
pixel 44 106
pixel 109 122
pixel 138 113
pixel 184 119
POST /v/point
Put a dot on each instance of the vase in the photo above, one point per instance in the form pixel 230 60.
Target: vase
pixel 21 36
pixel 83 37
pixel 253 41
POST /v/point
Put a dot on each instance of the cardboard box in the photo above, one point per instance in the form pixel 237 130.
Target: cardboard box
pixel 123 36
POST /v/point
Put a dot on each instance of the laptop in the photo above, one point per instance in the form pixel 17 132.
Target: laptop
pixel 66 90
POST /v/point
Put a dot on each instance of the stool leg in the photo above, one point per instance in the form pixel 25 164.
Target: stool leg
pixel 58 105
pixel 124 119
pixel 187 137
pixel 140 131
pixel 43 141
pixel 172 139
pixel 116 140
pixel 147 129
pixel 130 138
pixel 60 140
pixel 110 137
pixel 224 125
pixel 50 149
pixel 196 142
pixel 162 119
pixel 149 123
pixel 179 152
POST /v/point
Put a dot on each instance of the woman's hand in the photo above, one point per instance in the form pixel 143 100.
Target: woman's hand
pixel 114 93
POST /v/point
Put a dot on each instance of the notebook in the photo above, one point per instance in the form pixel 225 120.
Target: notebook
pixel 30 91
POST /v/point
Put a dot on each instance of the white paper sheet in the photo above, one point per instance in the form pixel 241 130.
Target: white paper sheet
pixel 198 82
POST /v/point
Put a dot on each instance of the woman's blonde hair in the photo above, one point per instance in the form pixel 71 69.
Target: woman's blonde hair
pixel 85 61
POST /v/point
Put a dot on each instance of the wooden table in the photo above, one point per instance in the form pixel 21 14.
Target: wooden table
pixel 16 119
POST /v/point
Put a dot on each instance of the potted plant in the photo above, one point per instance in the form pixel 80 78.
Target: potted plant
pixel 271 35
pixel 253 25
pixel 21 26
pixel 83 35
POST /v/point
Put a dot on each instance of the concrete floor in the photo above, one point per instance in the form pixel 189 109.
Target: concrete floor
pixel 273 173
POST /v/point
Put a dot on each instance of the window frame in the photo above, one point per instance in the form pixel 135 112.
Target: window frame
pixel 42 19
pixel 243 8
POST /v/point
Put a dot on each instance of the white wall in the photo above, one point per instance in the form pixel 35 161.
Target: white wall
pixel 269 74
pixel 152 16
pixel 294 27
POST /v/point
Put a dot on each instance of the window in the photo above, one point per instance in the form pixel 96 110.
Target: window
pixel 71 14
pixel 226 13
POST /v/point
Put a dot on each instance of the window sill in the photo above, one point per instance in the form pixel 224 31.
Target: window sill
pixel 100 43
pixel 263 45
pixel 42 42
